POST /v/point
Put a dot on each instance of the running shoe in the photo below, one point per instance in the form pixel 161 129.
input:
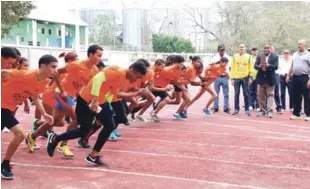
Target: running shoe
pixel 95 161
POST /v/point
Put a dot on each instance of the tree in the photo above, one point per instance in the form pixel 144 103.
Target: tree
pixel 103 30
pixel 256 23
pixel 12 12
pixel 169 44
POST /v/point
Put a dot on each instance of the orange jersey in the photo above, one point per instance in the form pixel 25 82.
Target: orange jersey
pixel 190 74
pixel 21 85
pixel 214 71
pixel 167 75
pixel 77 77
pixel 114 81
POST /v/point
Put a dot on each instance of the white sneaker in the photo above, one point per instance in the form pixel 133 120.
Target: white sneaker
pixel 155 118
pixel 6 130
pixel 258 109
pixel 140 118
pixel 251 108
pixel 307 118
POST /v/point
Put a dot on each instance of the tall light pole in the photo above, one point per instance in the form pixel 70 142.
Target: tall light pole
pixel 77 30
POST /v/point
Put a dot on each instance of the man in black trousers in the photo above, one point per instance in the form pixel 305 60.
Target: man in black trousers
pixel 266 64
pixel 300 71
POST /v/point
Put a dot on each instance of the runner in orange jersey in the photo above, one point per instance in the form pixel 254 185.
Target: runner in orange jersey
pixel 169 75
pixel 48 99
pixel 19 86
pixel 78 74
pixel 211 74
pixel 94 101
pixel 192 72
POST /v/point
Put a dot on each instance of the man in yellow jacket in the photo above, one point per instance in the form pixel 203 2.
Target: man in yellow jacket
pixel 240 74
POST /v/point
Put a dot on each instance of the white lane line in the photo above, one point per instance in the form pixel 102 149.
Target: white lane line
pixel 207 159
pixel 213 133
pixel 222 184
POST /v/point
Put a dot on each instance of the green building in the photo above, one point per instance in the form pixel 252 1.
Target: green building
pixel 49 28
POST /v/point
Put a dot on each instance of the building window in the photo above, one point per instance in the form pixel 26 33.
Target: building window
pixel 69 33
pixel 38 43
pixel 22 39
pixel 30 43
pixel 59 32
pixel 42 30
pixel 49 32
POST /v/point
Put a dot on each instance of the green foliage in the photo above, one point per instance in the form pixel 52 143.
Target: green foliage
pixel 103 30
pixel 12 12
pixel 170 44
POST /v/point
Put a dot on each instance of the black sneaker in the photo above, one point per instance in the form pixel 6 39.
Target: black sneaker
pixel 95 161
pixel 49 131
pixel 68 119
pixel 227 111
pixel 215 110
pixel 83 144
pixel 6 173
pixel 51 145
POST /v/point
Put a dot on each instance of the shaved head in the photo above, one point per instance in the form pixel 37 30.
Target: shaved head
pixel 301 45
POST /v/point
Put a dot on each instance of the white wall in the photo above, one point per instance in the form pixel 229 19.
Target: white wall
pixel 120 58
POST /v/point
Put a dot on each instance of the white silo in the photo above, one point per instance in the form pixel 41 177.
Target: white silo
pixel 135 28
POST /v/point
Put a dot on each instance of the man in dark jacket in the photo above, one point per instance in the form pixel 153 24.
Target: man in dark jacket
pixel 266 64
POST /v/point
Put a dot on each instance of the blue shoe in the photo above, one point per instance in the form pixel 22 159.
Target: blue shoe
pixel 113 137
pixel 177 116
pixel 248 113
pixel 184 114
pixel 116 133
pixel 207 112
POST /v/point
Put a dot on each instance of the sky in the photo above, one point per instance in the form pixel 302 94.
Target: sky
pixel 119 4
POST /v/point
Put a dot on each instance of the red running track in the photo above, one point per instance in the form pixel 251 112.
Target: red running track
pixel 219 151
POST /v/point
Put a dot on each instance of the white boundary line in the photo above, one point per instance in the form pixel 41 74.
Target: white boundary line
pixel 230 117
pixel 219 145
pixel 231 126
pixel 297 138
pixel 207 159
pixel 223 184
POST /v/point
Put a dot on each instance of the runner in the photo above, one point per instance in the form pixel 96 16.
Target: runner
pixel 100 92
pixel 192 72
pixel 8 58
pixel 19 86
pixel 211 74
pixel 169 75
pixel 48 99
pixel 77 76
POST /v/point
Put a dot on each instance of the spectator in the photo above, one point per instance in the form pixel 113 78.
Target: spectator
pixel 300 71
pixel 266 64
pixel 253 84
pixel 277 88
pixel 222 81
pixel 240 74
pixel 284 66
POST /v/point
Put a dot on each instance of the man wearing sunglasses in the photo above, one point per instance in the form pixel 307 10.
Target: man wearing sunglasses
pixel 284 66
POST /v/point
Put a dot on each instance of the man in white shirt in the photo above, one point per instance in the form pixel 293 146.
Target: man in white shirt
pixel 221 81
pixel 284 66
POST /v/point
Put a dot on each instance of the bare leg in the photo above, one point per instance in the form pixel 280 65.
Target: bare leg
pixel 198 95
pixel 18 138
pixel 186 100
pixel 212 98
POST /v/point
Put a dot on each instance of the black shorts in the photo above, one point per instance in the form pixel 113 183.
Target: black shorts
pixel 120 115
pixel 162 94
pixel 177 89
pixel 8 119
